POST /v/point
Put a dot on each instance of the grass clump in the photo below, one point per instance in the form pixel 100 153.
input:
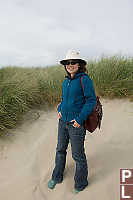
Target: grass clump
pixel 24 88
pixel 113 76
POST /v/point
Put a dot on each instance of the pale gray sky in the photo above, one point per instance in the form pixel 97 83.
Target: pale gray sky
pixel 39 32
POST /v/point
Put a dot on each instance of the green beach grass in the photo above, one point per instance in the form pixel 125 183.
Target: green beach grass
pixel 22 89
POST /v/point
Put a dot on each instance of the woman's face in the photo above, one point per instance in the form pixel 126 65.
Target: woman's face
pixel 72 66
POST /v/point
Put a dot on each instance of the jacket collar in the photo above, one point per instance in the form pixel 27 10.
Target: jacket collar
pixel 79 74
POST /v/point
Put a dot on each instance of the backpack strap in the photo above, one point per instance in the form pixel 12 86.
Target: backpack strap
pixel 82 83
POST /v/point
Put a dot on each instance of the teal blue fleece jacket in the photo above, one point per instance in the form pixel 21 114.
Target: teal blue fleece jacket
pixel 77 102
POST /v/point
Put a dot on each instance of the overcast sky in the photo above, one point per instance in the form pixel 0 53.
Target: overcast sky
pixel 39 32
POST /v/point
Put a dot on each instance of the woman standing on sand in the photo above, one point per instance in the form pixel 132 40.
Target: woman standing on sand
pixel 77 103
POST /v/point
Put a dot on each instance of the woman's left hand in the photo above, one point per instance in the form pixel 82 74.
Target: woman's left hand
pixel 75 124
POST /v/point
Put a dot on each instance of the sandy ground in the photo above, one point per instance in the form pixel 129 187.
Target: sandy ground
pixel 27 157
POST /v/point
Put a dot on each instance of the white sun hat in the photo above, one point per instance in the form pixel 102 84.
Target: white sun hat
pixel 72 54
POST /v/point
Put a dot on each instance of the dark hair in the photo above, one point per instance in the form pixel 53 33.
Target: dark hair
pixel 82 68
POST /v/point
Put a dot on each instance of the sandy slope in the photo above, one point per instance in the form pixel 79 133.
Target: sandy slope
pixel 27 157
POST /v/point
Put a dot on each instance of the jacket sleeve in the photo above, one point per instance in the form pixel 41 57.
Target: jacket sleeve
pixel 90 100
pixel 59 105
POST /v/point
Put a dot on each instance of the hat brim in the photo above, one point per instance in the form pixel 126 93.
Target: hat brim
pixel 63 62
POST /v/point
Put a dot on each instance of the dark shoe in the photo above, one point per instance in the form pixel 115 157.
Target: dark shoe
pixel 51 184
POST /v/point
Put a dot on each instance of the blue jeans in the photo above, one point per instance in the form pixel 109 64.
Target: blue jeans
pixel 67 132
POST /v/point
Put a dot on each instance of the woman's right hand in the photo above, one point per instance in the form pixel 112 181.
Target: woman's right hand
pixel 59 115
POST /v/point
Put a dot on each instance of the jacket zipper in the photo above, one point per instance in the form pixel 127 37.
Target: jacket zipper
pixel 68 85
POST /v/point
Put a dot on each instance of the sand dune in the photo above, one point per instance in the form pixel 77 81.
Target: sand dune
pixel 27 157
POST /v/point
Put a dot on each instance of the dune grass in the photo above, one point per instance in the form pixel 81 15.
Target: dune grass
pixel 113 77
pixel 22 89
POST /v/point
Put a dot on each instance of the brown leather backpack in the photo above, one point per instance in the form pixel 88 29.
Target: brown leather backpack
pixel 94 119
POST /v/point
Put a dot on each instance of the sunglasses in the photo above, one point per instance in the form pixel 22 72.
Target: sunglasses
pixel 71 62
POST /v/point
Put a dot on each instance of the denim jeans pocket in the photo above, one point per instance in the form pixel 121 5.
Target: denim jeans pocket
pixel 81 131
